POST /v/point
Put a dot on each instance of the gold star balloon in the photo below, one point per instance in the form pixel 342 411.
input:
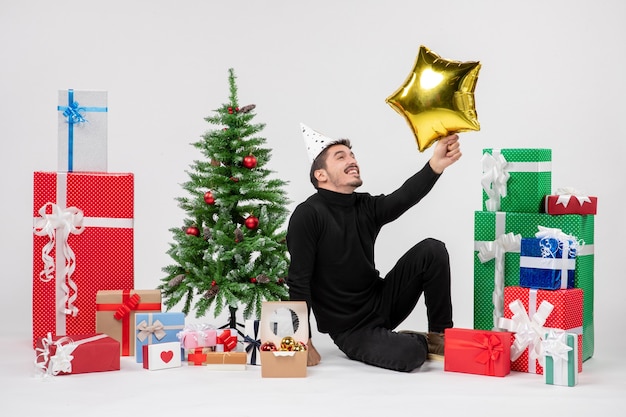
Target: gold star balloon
pixel 437 98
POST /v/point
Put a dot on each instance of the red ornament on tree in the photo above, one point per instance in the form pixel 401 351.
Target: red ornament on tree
pixel 253 280
pixel 193 230
pixel 249 161
pixel 208 198
pixel 252 222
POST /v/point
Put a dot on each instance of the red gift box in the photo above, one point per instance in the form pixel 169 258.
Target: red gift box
pixel 567 314
pixel 77 354
pixel 82 243
pixel 479 352
pixel 570 204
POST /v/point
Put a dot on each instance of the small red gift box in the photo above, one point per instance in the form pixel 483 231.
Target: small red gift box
pixel 479 352
pixel 77 354
pixel 563 309
pixel 82 243
pixel 573 203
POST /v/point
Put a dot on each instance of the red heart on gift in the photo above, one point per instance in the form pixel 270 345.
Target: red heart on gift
pixel 167 356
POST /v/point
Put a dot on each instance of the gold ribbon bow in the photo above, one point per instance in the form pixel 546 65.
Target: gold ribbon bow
pixel 146 330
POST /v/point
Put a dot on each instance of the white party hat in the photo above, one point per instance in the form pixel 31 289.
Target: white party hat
pixel 315 142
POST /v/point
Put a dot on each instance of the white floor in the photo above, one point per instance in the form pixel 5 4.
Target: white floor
pixel 336 387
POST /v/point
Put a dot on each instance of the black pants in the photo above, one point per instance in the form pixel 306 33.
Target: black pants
pixel 425 268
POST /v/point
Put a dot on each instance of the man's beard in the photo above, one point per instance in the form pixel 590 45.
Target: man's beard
pixel 357 182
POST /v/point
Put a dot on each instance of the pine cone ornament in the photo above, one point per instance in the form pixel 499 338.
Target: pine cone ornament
pixel 238 235
pixel 262 279
pixel 247 109
pixel 176 280
pixel 206 233
pixel 212 292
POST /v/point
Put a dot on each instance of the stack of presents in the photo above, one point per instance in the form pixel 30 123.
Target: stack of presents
pixel 86 312
pixel 533 274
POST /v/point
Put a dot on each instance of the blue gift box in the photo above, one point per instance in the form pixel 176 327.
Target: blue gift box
pixel 155 328
pixel 543 264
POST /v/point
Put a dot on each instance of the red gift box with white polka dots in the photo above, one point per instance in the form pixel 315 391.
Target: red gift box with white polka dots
pixel 567 315
pixel 83 242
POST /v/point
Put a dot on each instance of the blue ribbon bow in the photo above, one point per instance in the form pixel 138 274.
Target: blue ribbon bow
pixel 254 344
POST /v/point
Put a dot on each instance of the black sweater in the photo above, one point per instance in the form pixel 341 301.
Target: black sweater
pixel 331 239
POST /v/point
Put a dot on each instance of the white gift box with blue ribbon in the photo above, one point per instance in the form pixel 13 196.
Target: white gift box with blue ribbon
pixel 252 341
pixel 82 131
pixel 548 261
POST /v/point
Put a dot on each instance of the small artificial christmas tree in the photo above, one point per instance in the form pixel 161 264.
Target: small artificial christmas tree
pixel 231 251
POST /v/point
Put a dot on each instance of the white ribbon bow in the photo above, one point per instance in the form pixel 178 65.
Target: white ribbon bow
pixel 555 345
pixel 58 226
pixel 567 243
pixel 529 331
pixel 508 242
pixel 146 330
pixel 566 193
pixel 197 331
pixel 494 179
pixel 61 361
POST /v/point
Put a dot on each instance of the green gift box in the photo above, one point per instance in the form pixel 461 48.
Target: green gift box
pixel 503 270
pixel 516 180
pixel 561 350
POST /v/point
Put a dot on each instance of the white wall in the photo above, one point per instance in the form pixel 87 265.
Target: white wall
pixel 552 76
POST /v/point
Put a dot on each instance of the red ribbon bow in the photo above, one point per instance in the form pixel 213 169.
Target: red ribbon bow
pixel 197 356
pixel 125 308
pixel 491 348
pixel 229 341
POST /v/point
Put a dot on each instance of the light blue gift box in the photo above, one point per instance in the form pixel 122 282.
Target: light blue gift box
pixel 155 328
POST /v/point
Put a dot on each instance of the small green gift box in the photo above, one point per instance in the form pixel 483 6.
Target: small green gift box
pixel 497 262
pixel 516 180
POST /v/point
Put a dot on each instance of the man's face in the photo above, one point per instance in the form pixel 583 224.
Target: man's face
pixel 342 173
